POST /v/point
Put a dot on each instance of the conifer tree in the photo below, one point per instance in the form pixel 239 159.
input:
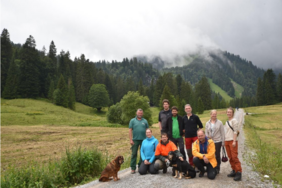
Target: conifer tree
pixel 268 93
pixel 61 93
pixel 200 106
pixel 185 92
pixel 10 90
pixel 203 91
pixel 29 85
pixel 167 95
pixel 179 81
pixel 6 56
pixel 51 90
pixel 159 87
pixel 279 88
pixel 141 88
pixel 260 93
pixel 71 96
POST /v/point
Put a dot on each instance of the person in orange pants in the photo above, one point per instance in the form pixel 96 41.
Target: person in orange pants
pixel 231 144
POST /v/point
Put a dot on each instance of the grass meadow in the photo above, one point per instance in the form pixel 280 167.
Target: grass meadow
pixel 263 130
pixel 36 134
pixel 217 89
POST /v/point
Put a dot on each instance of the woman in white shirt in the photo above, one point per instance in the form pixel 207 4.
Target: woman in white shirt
pixel 215 131
pixel 231 144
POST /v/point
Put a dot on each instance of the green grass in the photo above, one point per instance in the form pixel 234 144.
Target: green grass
pixel 217 89
pixel 263 131
pixel 155 114
pixel 238 89
pixel 41 112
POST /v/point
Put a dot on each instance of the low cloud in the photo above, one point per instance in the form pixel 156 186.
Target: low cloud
pixel 112 30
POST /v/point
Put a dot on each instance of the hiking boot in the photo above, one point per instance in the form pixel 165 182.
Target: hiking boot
pixel 165 170
pixel 232 174
pixel 238 176
pixel 201 174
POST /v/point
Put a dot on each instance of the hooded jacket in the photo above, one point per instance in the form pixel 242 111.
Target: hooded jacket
pixel 148 149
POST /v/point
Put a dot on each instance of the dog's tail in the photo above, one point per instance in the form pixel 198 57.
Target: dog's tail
pixel 104 179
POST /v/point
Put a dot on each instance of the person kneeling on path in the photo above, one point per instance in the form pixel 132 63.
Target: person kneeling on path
pixel 147 150
pixel 162 150
pixel 203 151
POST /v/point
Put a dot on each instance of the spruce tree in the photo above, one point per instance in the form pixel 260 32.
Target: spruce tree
pixel 260 93
pixel 71 96
pixel 61 93
pixel 10 90
pixel 141 88
pixel 179 81
pixel 279 88
pixel 268 93
pixel 167 95
pixel 51 90
pixel 203 91
pixel 29 84
pixel 200 106
pixel 185 92
pixel 159 87
pixel 6 56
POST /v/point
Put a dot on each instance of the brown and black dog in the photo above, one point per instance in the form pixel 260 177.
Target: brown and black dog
pixel 180 167
pixel 112 169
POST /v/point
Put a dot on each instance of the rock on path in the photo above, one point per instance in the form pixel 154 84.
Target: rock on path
pixel 249 178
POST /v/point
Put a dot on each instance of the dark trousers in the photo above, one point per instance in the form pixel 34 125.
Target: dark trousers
pixel 180 143
pixel 143 169
pixel 134 149
pixel 217 154
pixel 200 163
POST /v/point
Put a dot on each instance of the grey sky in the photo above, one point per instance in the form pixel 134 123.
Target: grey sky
pixel 116 29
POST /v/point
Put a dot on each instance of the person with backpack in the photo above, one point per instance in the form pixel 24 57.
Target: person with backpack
pixel 231 144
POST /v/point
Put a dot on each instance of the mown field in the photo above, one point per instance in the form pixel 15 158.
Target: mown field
pixel 37 130
pixel 263 130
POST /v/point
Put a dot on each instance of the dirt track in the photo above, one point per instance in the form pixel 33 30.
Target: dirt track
pixel 249 178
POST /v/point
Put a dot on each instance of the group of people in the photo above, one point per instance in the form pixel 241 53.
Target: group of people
pixel 203 147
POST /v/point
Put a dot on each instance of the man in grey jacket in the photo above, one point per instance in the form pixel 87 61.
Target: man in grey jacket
pixel 215 131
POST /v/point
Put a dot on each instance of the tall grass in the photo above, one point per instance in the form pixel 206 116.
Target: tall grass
pixel 74 167
pixel 267 159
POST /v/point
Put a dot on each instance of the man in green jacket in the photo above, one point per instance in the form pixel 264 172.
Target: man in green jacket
pixel 137 133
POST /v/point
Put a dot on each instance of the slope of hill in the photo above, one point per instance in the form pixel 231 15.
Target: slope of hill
pixel 238 89
pixel 42 112
pixel 217 89
pixel 221 67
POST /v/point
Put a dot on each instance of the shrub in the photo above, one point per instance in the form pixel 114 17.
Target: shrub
pixel 73 168
pixel 129 105
pixel 114 114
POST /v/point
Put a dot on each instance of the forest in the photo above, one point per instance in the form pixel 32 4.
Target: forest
pixel 27 72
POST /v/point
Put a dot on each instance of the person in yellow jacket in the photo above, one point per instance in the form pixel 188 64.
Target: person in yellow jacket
pixel 203 150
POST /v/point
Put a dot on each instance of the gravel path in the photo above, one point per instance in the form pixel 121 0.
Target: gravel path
pixel 249 178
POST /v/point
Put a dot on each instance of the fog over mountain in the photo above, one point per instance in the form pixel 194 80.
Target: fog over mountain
pixel 170 29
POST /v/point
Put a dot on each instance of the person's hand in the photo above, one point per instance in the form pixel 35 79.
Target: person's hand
pixel 234 144
pixel 223 144
pixel 181 158
pixel 206 160
pixel 166 160
pixel 131 142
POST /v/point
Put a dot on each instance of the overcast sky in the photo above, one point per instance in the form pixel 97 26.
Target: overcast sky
pixel 114 29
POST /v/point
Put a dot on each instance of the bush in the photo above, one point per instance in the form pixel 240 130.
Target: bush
pixel 98 96
pixel 81 164
pixel 129 105
pixel 114 114
pixel 73 168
